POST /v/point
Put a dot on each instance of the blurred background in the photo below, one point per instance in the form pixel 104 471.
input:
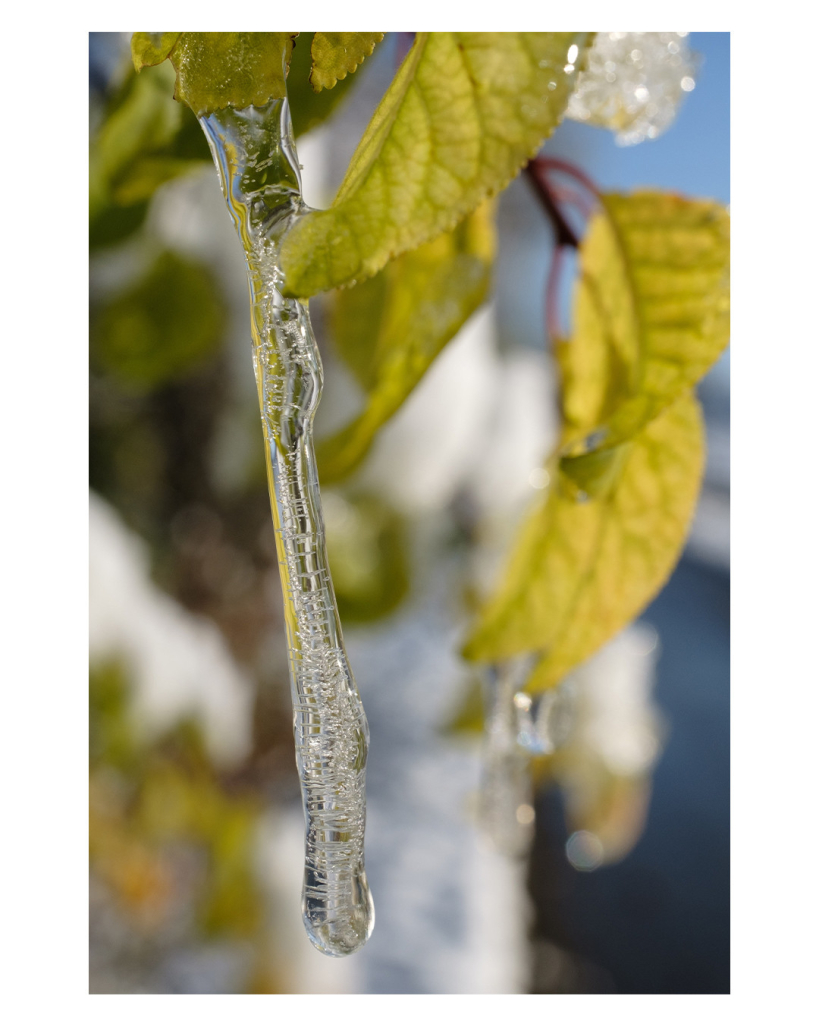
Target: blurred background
pixel 196 826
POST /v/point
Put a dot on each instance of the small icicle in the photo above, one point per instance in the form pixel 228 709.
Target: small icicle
pixel 254 152
pixel 518 727
pixel 506 810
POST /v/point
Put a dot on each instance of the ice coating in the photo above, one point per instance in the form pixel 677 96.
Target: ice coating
pixel 255 155
pixel 633 83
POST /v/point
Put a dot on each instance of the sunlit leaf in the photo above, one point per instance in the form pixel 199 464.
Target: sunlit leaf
pixel 220 69
pixel 651 313
pixel 390 328
pixel 149 48
pixel 231 69
pixel 337 54
pixel 581 570
pixel 463 114
pixel 309 109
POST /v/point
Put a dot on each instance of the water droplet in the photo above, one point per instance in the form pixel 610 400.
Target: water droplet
pixel 687 83
pixel 539 479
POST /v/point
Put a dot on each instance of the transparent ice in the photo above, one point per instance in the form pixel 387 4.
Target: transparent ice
pixel 518 727
pixel 255 155
pixel 634 83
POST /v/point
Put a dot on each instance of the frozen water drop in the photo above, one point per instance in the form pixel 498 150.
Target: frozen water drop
pixel 633 83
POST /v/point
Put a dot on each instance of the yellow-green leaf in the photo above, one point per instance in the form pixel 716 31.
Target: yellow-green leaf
pixel 220 69
pixel 582 570
pixel 308 109
pixel 146 139
pixel 465 111
pixel 161 328
pixel 149 48
pixel 144 122
pixel 651 313
pixel 338 54
pixel 390 328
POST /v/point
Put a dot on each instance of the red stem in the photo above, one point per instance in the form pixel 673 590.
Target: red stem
pixel 552 163
pixel 550 197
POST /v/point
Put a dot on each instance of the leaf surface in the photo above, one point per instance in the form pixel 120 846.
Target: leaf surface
pixel 150 48
pixel 309 109
pixel 390 328
pixel 164 326
pixel 651 313
pixel 220 69
pixel 581 570
pixel 145 140
pixel 463 114
pixel 337 54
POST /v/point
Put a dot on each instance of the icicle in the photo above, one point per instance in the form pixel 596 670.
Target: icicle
pixel 518 727
pixel 254 152
pixel 506 810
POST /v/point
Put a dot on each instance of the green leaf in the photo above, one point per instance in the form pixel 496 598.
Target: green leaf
pixel 220 69
pixel 368 553
pixel 161 328
pixel 308 109
pixel 581 570
pixel 390 328
pixel 337 54
pixel 144 120
pixel 651 314
pixel 149 48
pixel 145 140
pixel 463 114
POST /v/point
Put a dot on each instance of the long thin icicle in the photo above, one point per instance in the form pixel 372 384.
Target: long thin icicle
pixel 254 151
